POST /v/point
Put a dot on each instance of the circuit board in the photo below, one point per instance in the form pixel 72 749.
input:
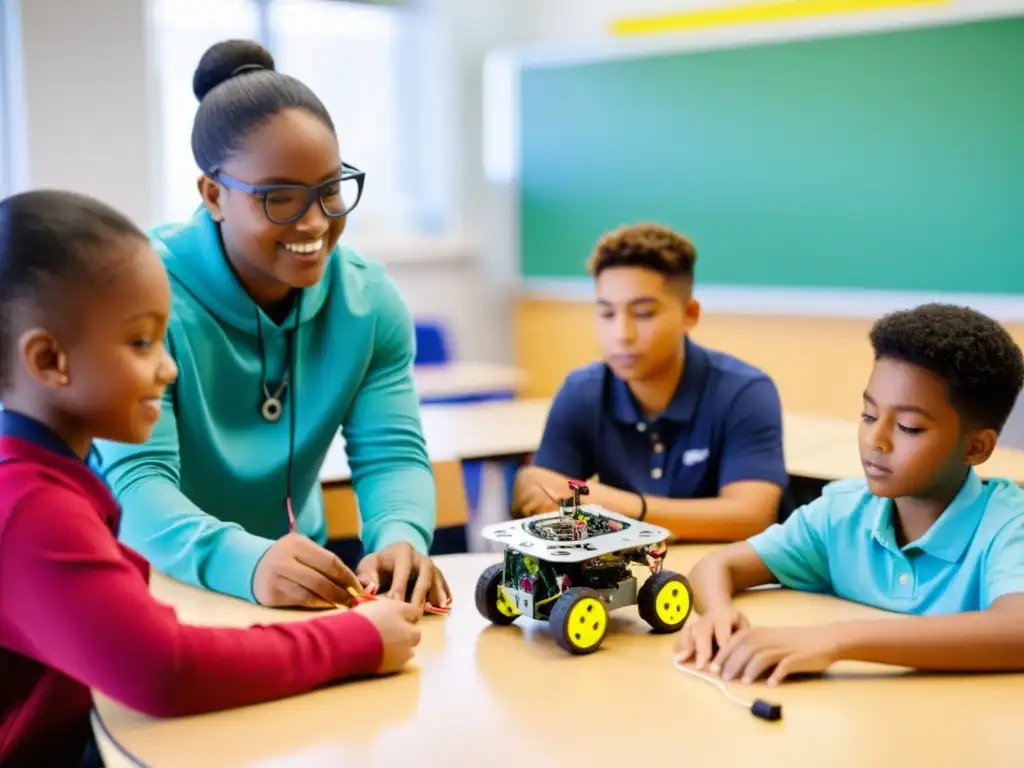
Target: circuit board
pixel 552 537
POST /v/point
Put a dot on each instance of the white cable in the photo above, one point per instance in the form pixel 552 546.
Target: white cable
pixel 765 710
pixel 715 681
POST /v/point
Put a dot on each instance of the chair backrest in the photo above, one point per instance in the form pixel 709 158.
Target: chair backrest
pixel 432 346
pixel 341 506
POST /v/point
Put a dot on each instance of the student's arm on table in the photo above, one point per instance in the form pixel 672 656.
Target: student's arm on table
pixel 84 609
pixel 751 478
pixel 990 640
pixel 792 554
pixel 740 510
pixel 562 455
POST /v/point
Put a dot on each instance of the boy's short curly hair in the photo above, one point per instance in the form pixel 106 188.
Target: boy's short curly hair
pixel 977 358
pixel 645 245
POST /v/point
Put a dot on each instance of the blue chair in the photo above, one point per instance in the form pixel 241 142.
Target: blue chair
pixel 432 345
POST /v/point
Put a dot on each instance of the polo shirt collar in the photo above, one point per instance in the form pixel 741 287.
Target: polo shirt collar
pixel 949 536
pixel 21 427
pixel 683 405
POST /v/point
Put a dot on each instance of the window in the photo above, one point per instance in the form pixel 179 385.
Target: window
pixel 368 63
pixel 183 30
pixel 10 98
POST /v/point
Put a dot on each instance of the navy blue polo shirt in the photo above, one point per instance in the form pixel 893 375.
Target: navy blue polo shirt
pixel 723 425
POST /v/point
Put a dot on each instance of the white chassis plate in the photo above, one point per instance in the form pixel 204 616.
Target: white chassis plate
pixel 515 535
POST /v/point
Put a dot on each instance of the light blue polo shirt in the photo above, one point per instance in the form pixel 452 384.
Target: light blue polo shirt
pixel 844 543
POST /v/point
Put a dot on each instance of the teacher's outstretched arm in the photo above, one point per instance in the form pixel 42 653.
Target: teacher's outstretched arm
pixel 177 537
pixel 391 470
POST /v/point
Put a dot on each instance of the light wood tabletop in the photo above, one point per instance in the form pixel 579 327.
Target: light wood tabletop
pixel 508 696
pixel 465 431
pixel 826 449
pixel 816 447
pixel 465 378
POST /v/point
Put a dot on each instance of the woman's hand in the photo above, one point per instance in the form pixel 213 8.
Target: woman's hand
pixel 395 567
pixel 298 571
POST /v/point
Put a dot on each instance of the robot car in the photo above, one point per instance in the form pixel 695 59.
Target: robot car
pixel 572 566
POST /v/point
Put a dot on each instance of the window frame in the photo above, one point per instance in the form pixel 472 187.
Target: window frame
pixel 426 177
pixel 13 148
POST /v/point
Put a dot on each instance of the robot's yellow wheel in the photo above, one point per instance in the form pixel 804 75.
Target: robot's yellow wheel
pixel 491 600
pixel 665 601
pixel 579 620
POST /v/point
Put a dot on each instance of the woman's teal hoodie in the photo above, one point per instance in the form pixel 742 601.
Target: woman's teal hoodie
pixel 205 498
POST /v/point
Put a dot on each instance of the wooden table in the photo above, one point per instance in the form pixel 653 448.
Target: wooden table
pixel 479 695
pixel 825 449
pixel 816 447
pixel 464 379
pixel 465 431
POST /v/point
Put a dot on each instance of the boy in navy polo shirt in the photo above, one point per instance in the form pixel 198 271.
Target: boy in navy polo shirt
pixel 921 534
pixel 682 436
pixel 85 304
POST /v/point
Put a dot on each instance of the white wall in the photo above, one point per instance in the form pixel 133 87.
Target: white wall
pixel 87 97
pixel 581 19
pixel 572 20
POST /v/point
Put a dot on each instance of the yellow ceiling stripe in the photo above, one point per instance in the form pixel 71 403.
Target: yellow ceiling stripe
pixel 753 13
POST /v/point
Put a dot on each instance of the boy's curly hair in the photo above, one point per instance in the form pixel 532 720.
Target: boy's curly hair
pixel 977 358
pixel 645 245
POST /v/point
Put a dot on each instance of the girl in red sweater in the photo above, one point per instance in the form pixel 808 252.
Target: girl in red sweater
pixel 85 303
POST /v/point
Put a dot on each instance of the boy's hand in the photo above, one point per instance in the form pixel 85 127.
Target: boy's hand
pixel 700 638
pixel 537 499
pixel 298 571
pixel 395 566
pixel 396 622
pixel 750 653
pixel 537 491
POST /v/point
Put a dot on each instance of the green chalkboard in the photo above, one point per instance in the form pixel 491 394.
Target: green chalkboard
pixel 886 161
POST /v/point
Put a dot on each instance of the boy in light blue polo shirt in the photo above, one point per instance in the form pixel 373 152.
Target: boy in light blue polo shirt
pixel 920 534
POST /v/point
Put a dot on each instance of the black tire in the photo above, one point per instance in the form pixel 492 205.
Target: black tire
pixel 487 597
pixel 562 621
pixel 665 601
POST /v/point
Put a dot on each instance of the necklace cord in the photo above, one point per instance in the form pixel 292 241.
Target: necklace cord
pixel 288 382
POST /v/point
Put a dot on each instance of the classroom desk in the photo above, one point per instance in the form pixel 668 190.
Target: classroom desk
pixel 816 447
pixel 463 379
pixel 465 431
pixel 507 696
pixel 825 449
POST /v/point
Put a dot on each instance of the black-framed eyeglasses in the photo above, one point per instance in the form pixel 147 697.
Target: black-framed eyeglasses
pixel 286 203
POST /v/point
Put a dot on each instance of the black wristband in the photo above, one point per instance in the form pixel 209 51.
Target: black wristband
pixel 643 507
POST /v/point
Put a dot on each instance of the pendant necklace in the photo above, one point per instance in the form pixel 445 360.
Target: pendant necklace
pixel 271 408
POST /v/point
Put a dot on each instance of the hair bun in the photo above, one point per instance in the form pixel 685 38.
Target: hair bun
pixel 223 60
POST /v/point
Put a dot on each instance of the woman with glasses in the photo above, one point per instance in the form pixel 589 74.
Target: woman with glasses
pixel 282 336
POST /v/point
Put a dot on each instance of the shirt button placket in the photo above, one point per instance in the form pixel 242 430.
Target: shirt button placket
pixel 657 457
pixel 903 579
